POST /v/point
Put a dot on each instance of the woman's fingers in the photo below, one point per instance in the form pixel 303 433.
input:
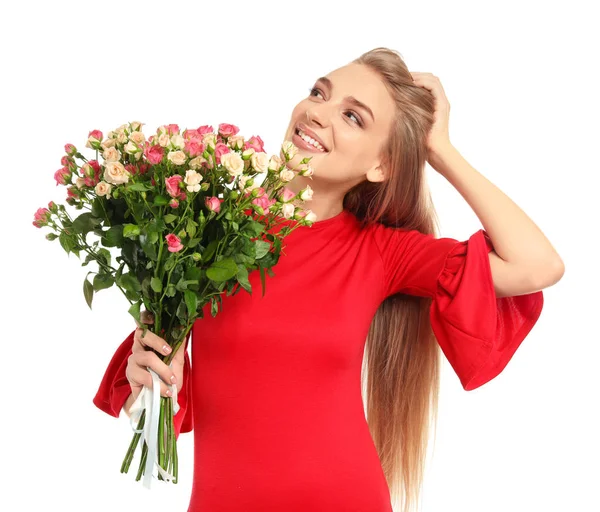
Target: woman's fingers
pixel 139 376
pixel 148 359
pixel 148 341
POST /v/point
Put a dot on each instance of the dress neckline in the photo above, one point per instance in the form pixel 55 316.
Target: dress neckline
pixel 340 218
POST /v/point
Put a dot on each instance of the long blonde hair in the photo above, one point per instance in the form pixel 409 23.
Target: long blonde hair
pixel 402 357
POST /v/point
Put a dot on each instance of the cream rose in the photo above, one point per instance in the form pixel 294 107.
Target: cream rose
pixel 289 148
pixel 236 142
pixel 306 194
pixel 116 173
pixel 130 148
pixel 310 215
pixel 164 139
pixel 209 138
pixel 177 157
pixel 260 161
pixel 275 163
pixel 196 163
pixel 138 137
pixel 121 136
pixel 177 141
pixel 108 143
pixel 136 125
pixel 233 163
pixel 286 175
pixel 306 170
pixel 79 182
pixel 288 210
pixel 192 180
pixel 111 155
pixel 103 189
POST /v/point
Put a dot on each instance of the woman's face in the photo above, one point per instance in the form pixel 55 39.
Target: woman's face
pixel 352 135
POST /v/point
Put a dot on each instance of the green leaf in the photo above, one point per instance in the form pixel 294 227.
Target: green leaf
pixel 169 264
pixel 209 251
pixel 85 223
pixel 191 301
pixel 169 218
pixel 113 237
pixel 134 311
pixel 160 201
pixel 102 281
pixel 262 248
pixel 262 279
pixel 148 247
pixel 152 237
pixel 193 242
pixel 214 309
pixel 193 273
pixel 51 236
pixel 222 270
pixel 105 255
pixel 66 242
pixel 170 291
pixel 156 284
pixel 253 228
pixel 242 278
pixel 138 187
pixel 129 282
pixel 131 230
pixel 88 292
pixel 191 228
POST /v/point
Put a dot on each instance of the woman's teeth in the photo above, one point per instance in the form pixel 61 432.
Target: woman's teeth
pixel 310 140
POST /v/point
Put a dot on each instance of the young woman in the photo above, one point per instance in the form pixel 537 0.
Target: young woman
pixel 273 391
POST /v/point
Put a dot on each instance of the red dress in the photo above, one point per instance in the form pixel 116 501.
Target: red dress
pixel 277 413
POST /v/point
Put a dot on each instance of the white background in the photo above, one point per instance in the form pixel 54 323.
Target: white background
pixel 522 82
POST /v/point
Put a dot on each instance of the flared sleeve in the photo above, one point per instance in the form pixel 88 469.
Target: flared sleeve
pixel 114 388
pixel 477 331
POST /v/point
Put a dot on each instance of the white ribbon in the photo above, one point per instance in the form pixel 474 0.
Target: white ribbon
pixel 149 399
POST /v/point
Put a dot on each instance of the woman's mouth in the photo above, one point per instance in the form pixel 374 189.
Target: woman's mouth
pixel 307 143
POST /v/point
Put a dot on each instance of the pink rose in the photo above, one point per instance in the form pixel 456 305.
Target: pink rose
pixel 203 130
pixel 173 203
pixel 227 130
pixel 131 168
pixel 72 193
pixel 194 148
pixel 213 204
pixel 286 194
pixel 70 149
pixel 91 173
pixel 172 184
pixel 62 176
pixel 154 154
pixel 264 202
pixel 256 143
pixel 173 243
pixel 41 217
pixel 172 129
pixel 221 149
pixel 94 139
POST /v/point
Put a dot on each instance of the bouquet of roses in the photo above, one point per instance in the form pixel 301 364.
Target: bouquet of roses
pixel 190 221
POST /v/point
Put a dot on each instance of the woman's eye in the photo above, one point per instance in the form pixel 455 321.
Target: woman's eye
pixel 313 89
pixel 355 117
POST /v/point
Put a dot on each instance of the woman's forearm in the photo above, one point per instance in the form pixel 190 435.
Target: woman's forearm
pixel 516 238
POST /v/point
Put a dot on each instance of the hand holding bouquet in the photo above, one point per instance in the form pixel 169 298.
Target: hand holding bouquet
pixel 190 221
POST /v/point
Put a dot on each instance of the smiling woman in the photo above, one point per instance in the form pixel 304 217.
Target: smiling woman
pixel 274 396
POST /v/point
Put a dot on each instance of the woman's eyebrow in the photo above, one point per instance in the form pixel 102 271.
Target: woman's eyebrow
pixel 350 99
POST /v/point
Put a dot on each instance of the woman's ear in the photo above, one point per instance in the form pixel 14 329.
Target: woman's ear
pixel 377 174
